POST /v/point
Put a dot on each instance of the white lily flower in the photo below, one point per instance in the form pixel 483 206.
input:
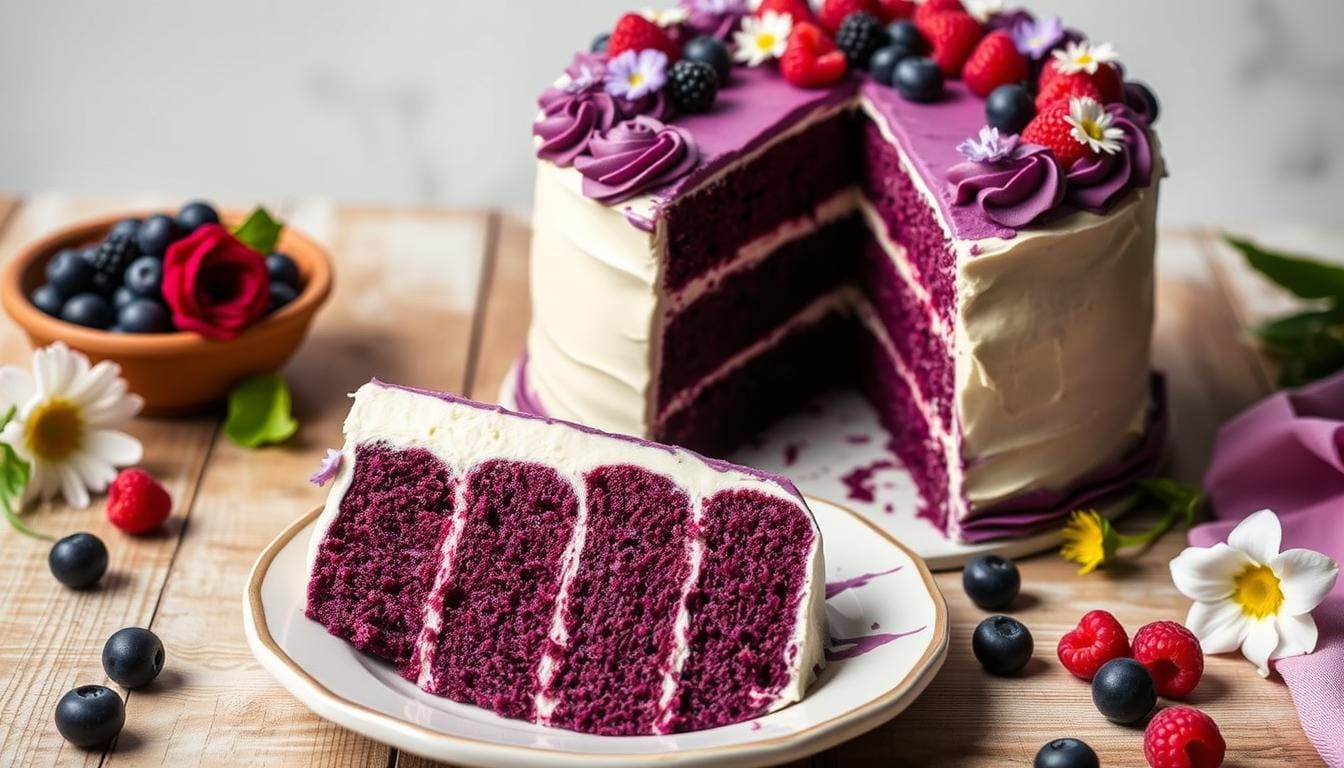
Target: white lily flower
pixel 1251 596
pixel 66 423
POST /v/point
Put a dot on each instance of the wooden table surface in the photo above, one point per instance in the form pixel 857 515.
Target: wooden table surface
pixel 437 298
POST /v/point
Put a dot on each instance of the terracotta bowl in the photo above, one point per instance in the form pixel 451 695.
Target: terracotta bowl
pixel 176 373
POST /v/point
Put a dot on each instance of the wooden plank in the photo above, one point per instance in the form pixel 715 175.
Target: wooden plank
pixel 405 292
pixel 52 637
pixel 969 718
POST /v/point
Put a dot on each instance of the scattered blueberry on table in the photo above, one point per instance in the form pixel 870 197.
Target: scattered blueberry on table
pixel 1066 753
pixel 79 560
pixel 90 715
pixel 1002 645
pixel 992 582
pixel 1124 691
pixel 133 657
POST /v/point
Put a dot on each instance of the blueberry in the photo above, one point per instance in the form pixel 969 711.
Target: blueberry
pixel 156 234
pixel 78 560
pixel 1123 691
pixel 282 269
pixel 991 582
pixel 87 309
pixel 918 79
pixel 144 276
pixel 599 44
pixel 882 65
pixel 125 227
pixel 194 214
pixel 48 299
pixel 122 296
pixel 144 316
pixel 281 294
pixel 1066 753
pixel 905 33
pixel 712 52
pixel 90 715
pixel 1009 108
pixel 1002 645
pixel 69 272
pixel 1140 98
pixel 133 657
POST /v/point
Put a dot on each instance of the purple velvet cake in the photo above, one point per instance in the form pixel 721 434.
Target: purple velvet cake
pixel 697 274
pixel 564 576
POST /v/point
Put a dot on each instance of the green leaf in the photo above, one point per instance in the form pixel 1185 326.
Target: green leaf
pixel 1293 329
pixel 259 412
pixel 1303 276
pixel 259 231
pixel 1306 351
pixel 13 480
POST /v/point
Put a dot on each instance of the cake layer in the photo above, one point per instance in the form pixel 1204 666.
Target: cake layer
pixel 571 578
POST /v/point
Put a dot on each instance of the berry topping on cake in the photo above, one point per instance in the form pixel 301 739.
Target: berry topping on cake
pixel 633 32
pixel 762 38
pixel 992 582
pixel 953 37
pixel 692 86
pixel 1002 645
pixel 812 59
pixel 882 64
pixel 834 12
pixel 1172 655
pixel 711 51
pixel 918 79
pixel 930 8
pixel 798 11
pixel 1065 87
pixel 1123 691
pixel 994 62
pixel 1009 108
pixel 136 503
pixel 1095 64
pixel 1183 737
pixel 891 10
pixel 1052 130
pixel 859 35
pixel 632 75
pixel 1097 639
pixel 905 33
pixel 599 44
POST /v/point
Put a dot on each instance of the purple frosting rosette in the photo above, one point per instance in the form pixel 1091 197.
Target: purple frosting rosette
pixel 633 156
pixel 1013 191
pixel 1097 181
pixel 572 113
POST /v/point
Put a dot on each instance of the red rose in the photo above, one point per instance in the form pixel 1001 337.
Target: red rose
pixel 215 285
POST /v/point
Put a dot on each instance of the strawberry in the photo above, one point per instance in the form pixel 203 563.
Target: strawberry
pixel 994 62
pixel 136 503
pixel 893 10
pixel 798 10
pixel 1065 87
pixel 812 59
pixel 1051 130
pixel 953 37
pixel 1097 639
pixel 1110 86
pixel 834 11
pixel 930 8
pixel 636 33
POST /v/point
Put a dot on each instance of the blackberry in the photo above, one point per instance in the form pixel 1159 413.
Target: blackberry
pixel 859 36
pixel 110 260
pixel 692 85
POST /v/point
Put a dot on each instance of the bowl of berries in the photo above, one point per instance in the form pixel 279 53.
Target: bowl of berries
pixel 188 303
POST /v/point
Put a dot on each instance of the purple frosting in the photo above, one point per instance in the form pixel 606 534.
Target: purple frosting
pixel 331 464
pixel 1098 180
pixel 1014 191
pixel 716 18
pixel 574 112
pixel 635 155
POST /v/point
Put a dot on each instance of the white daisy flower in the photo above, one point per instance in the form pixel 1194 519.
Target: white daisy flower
pixel 1093 125
pixel 667 17
pixel 1251 596
pixel 762 38
pixel 1084 57
pixel 66 423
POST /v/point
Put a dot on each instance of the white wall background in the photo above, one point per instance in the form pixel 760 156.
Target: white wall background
pixel 430 101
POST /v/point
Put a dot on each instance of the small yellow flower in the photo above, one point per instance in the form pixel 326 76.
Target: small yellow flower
pixel 1089 540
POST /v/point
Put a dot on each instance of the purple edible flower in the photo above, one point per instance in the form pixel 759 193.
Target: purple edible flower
pixel 991 147
pixel 634 75
pixel 331 464
pixel 1035 38
pixel 585 79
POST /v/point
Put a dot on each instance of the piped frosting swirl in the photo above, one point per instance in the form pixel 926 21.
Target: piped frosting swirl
pixel 1097 181
pixel 1012 191
pixel 635 155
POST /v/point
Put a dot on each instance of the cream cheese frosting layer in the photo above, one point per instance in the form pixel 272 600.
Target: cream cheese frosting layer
pixel 463 434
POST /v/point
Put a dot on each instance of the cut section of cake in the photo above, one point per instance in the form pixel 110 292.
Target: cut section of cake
pixel 557 574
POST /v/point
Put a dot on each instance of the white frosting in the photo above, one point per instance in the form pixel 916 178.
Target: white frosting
pixel 462 436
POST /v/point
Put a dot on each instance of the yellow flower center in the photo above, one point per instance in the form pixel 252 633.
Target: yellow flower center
pixel 1092 129
pixel 54 430
pixel 636 78
pixel 765 41
pixel 1083 59
pixel 1258 591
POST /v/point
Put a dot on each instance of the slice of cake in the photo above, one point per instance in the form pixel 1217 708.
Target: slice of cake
pixel 984 276
pixel 553 573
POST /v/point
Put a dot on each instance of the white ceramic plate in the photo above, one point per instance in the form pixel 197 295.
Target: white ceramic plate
pixel 836 451
pixel 852 695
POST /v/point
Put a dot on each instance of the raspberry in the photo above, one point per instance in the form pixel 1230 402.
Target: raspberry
pixel 798 10
pixel 1062 88
pixel 136 503
pixel 1183 737
pixel 994 62
pixel 930 8
pixel 953 36
pixel 1052 131
pixel 811 59
pixel 692 85
pixel 859 35
pixel 636 33
pixel 833 12
pixel 1172 655
pixel 892 10
pixel 1097 639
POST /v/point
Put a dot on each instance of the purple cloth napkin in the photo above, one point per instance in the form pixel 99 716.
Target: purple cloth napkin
pixel 1287 454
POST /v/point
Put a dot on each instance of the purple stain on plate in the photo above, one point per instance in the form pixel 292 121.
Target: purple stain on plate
pixel 859 482
pixel 331 464
pixel 791 452
pixel 857 646
pixel 834 588
pixel 875 626
pixel 858 439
